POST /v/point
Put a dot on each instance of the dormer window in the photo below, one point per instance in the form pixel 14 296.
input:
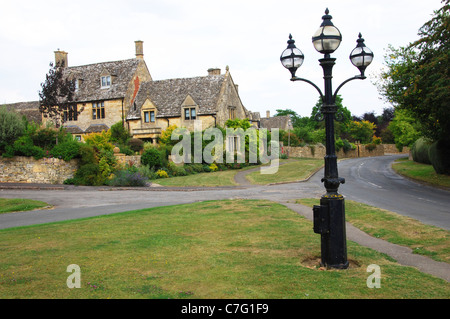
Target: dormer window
pixel 190 114
pixel 106 81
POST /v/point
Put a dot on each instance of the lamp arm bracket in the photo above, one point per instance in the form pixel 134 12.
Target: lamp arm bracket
pixel 356 77
pixel 308 81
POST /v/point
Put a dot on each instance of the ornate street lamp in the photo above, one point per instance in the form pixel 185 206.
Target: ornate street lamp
pixel 329 216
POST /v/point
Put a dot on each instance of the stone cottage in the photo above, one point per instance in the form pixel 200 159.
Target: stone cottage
pixel 109 92
pixel 212 99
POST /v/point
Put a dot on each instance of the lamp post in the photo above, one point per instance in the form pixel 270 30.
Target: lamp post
pixel 329 216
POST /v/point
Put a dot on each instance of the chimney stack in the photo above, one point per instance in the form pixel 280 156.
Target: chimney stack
pixel 214 71
pixel 139 49
pixel 61 58
pixel 267 114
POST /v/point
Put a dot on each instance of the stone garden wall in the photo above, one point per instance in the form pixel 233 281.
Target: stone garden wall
pixel 20 169
pixel 319 151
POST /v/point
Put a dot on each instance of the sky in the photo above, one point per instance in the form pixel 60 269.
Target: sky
pixel 184 39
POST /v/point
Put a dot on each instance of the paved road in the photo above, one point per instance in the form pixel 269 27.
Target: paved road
pixel 368 180
pixel 371 180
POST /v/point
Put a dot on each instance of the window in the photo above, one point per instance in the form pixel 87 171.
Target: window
pixel 71 113
pixel 149 116
pixel 98 110
pixel 78 138
pixel 152 116
pixel 232 144
pixel 77 85
pixel 106 81
pixel 190 114
pixel 231 113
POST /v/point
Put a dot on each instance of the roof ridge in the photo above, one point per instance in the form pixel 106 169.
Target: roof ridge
pixel 97 63
pixel 192 77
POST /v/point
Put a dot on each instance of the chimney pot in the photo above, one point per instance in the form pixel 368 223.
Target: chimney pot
pixel 267 114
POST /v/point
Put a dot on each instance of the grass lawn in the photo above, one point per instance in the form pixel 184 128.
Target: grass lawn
pixel 8 205
pixel 297 170
pixel 423 239
pixel 422 172
pixel 222 178
pixel 215 249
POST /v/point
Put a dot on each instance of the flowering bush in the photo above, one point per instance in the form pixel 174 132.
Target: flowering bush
pixel 162 174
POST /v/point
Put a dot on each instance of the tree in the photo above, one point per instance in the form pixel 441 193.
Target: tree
pixel 404 128
pixel 57 95
pixel 11 127
pixel 417 76
pixel 343 116
pixel 295 118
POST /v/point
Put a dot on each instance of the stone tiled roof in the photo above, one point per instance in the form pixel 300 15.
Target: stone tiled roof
pixel 29 109
pixel 254 116
pixel 121 73
pixel 73 129
pixel 96 128
pixel 169 95
pixel 280 122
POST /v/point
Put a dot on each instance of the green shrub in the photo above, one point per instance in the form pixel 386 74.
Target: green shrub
pixel 87 154
pixel 45 137
pixel 318 136
pixel 125 149
pixel 89 174
pixel 439 155
pixel 24 147
pixel 339 144
pixel 127 178
pixel 136 144
pixel 66 151
pixel 197 168
pixel 146 171
pixel 420 151
pixel 175 170
pixel 152 158
pixel 119 134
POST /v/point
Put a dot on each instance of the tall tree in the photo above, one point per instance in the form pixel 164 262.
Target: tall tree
pixel 57 95
pixel 417 76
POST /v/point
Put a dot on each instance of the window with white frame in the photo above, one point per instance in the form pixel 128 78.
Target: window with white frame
pixel 106 81
pixel 232 144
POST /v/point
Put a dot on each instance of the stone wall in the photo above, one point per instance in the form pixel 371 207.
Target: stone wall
pixel 392 149
pixel 319 151
pixel 22 169
pixel 131 160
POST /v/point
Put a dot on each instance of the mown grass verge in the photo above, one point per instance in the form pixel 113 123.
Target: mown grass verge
pixel 423 239
pixel 215 249
pixel 421 172
pixel 9 205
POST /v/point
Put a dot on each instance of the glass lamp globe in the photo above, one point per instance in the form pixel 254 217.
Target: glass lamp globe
pixel 292 58
pixel 327 38
pixel 361 56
